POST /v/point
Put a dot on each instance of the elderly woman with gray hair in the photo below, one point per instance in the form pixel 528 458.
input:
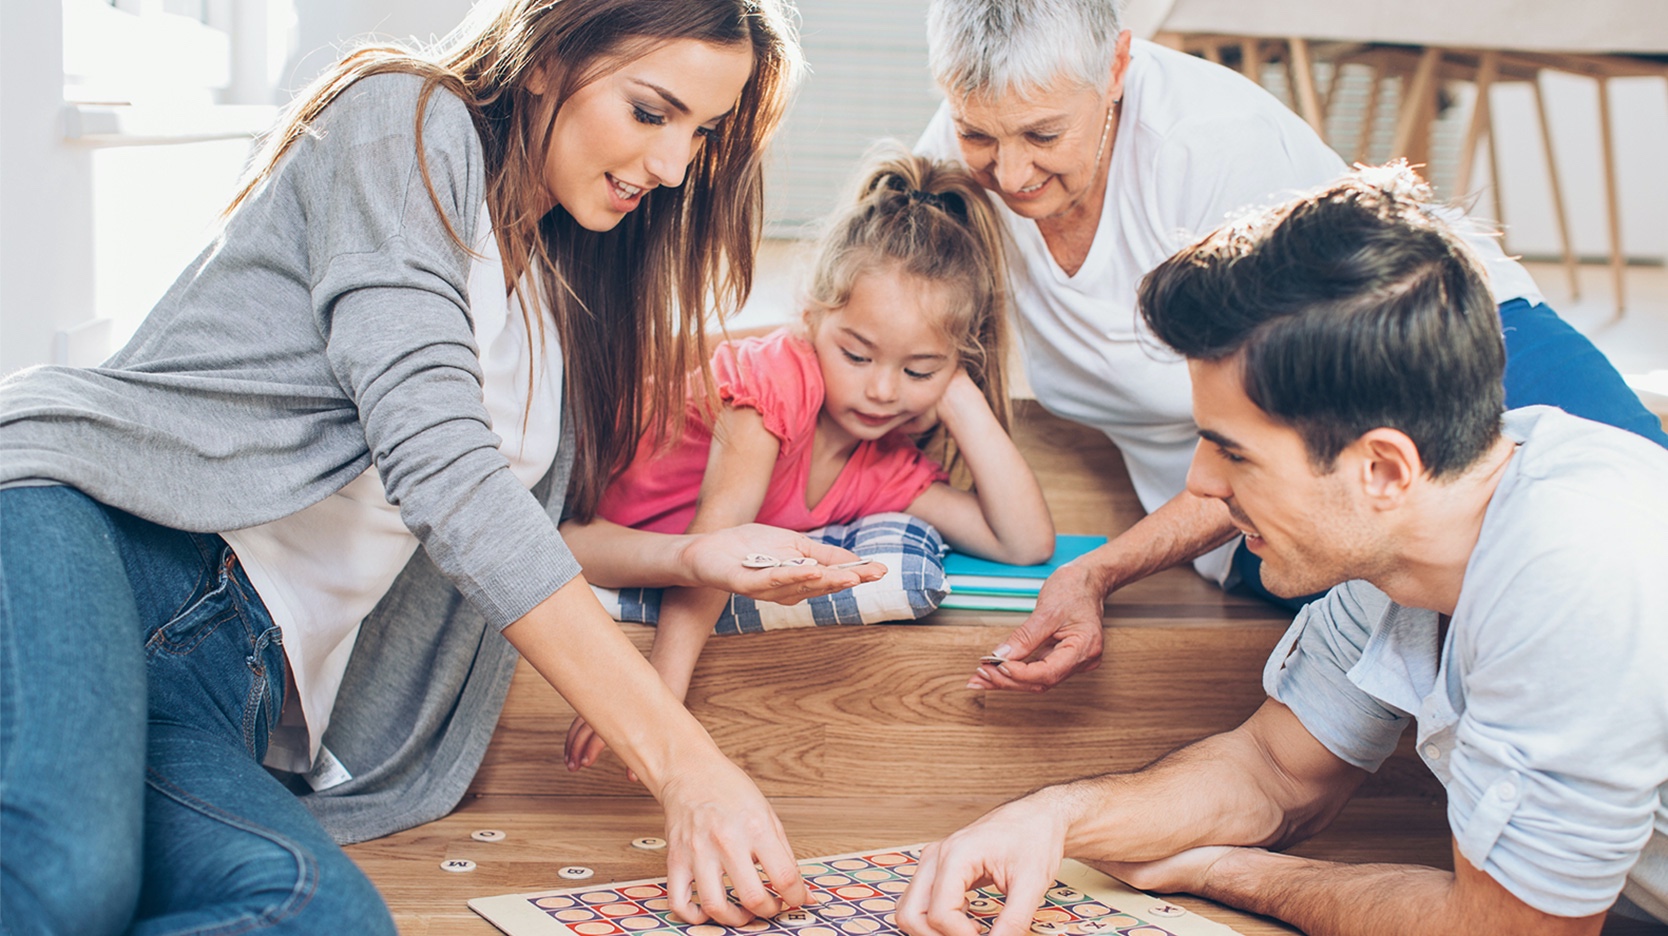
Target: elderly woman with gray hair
pixel 1106 154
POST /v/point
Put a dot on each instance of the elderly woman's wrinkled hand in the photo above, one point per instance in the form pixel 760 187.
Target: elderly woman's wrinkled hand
pixel 1067 622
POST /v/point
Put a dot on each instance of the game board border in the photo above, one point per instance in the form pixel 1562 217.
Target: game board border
pixel 504 911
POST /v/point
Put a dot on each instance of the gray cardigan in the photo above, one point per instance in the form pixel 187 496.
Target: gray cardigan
pixel 327 330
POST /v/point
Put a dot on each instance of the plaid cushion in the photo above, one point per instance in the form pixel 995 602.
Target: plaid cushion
pixel 913 585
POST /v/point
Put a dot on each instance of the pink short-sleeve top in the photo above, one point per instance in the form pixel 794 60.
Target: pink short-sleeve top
pixel 777 375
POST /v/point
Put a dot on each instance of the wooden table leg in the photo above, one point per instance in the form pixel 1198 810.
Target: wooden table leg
pixel 1487 67
pixel 1414 109
pixel 1251 59
pixel 1618 259
pixel 1303 85
pixel 1497 185
pixel 1369 116
pixel 1558 211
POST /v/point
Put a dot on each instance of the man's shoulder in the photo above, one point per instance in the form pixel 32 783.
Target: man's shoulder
pixel 1573 477
pixel 1574 532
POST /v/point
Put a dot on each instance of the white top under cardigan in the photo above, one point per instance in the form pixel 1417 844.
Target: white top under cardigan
pixel 1196 144
pixel 320 571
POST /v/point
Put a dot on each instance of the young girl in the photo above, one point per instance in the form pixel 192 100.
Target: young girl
pixel 901 352
pixel 561 185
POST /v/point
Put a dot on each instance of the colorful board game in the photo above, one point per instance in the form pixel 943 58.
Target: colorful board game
pixel 854 895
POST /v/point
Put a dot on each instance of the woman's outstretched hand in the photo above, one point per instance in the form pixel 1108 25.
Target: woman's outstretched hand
pixel 718 823
pixel 717 560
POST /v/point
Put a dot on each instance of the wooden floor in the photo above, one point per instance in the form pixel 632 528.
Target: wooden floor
pixel 866 737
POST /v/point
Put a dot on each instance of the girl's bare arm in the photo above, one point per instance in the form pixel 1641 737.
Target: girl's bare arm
pixel 1004 517
pixel 739 466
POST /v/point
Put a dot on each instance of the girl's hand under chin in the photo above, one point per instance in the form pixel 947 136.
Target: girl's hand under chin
pixel 961 387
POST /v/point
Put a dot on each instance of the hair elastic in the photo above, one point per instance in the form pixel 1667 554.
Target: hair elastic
pixel 945 201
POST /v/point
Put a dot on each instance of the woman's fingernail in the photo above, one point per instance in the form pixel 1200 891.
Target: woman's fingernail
pixel 1004 650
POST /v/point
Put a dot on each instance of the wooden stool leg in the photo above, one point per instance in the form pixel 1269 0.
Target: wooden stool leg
pixel 1369 116
pixel 1414 109
pixel 1487 68
pixel 1302 69
pixel 1331 89
pixel 1612 198
pixel 1496 185
pixel 1558 211
pixel 1251 59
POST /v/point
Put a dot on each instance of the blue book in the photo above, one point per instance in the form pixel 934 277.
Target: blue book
pixel 970 575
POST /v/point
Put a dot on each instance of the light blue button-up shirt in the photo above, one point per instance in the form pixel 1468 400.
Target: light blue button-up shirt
pixel 1545 711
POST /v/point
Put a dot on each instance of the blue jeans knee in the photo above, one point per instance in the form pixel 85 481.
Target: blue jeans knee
pixel 267 867
pixel 139 675
pixel 72 718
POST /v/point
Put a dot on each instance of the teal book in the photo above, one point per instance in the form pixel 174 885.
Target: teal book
pixel 970 575
pixel 973 601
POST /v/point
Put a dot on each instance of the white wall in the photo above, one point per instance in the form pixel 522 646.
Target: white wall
pixel 154 209
pixel 94 230
pixel 324 27
pixel 46 235
pixel 1639 108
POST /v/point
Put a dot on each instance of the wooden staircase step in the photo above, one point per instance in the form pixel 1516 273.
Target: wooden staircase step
pixel 546 833
pixel 884 711
pixel 866 736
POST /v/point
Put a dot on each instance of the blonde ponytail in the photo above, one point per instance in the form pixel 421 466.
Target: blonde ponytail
pixel 930 220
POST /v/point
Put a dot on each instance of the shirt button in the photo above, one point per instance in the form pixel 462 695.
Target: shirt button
pixel 1506 790
pixel 1433 752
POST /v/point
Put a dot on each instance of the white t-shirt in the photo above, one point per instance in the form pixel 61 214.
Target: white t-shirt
pixel 1545 712
pixel 1196 145
pixel 321 570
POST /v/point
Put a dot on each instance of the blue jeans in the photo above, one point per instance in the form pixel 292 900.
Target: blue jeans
pixel 1547 362
pixel 139 676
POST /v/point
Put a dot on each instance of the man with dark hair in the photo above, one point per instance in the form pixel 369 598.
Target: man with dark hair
pixel 1505 585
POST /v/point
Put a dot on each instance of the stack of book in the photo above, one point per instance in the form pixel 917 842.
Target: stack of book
pixel 982 585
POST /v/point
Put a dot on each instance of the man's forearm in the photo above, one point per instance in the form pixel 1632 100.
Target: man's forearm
pixel 1327 897
pixel 1267 782
pixel 1378 899
pixel 1208 793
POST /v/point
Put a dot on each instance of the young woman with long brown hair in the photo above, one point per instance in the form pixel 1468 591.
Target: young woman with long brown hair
pixel 455 290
